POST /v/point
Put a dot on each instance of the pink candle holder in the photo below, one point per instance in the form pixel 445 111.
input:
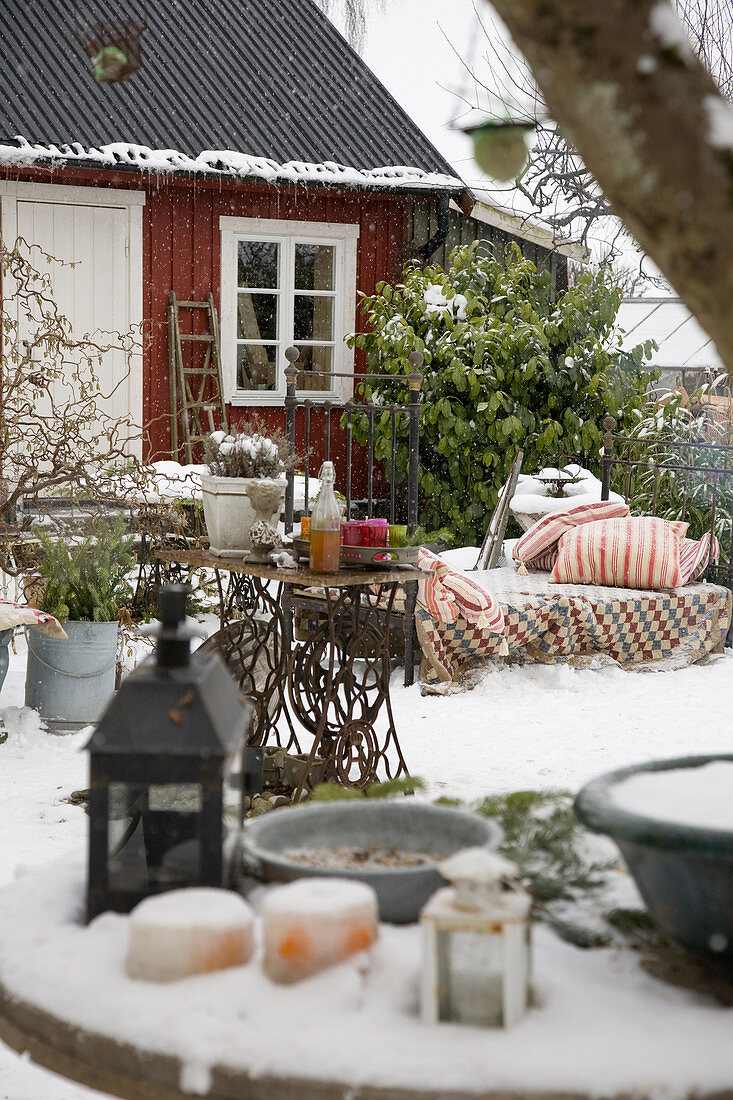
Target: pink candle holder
pixel 376 532
pixel 352 532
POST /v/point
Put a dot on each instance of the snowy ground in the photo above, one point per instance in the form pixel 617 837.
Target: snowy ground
pixel 536 726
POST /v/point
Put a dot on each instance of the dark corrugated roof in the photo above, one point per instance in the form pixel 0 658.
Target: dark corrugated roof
pixel 272 78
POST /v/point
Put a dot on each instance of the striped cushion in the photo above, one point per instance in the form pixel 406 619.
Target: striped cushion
pixel 448 594
pixel 694 556
pixel 635 552
pixel 538 546
pixel 544 562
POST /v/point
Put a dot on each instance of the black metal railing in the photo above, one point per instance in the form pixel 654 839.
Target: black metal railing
pixel 319 412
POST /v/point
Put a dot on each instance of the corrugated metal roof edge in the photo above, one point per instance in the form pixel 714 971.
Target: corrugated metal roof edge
pixel 28 156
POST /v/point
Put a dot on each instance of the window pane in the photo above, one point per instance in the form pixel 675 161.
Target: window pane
pixel 154 836
pixel 315 359
pixel 257 263
pixel 257 316
pixel 256 366
pixel 313 318
pixel 314 266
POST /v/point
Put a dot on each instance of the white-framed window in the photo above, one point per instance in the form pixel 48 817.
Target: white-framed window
pixel 286 283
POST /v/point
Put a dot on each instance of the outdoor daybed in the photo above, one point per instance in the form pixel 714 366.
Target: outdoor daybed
pixel 652 626
pixel 465 619
pixel 579 623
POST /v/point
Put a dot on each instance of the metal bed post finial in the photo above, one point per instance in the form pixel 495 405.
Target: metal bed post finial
pixel 607 456
pixel 291 403
pixel 414 379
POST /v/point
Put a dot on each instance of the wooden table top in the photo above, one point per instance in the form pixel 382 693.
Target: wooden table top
pixel 303 576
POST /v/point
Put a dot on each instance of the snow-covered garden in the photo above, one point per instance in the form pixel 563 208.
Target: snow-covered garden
pixel 523 728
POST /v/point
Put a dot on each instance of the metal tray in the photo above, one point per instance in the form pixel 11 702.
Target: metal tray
pixel 384 557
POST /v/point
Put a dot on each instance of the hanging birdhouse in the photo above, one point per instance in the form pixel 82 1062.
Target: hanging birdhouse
pixel 500 147
pixel 114 48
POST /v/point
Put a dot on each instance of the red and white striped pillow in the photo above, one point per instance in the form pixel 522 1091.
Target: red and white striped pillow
pixel 694 556
pixel 633 552
pixel 449 594
pixel 537 547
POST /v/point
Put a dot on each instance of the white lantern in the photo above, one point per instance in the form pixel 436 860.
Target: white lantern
pixel 476 943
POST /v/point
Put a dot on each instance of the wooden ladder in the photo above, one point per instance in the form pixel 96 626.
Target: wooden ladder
pixel 197 388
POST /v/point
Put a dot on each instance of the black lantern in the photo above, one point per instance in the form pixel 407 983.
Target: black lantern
pixel 159 760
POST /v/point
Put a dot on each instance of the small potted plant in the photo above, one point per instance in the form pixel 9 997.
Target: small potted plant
pixel 237 463
pixel 85 586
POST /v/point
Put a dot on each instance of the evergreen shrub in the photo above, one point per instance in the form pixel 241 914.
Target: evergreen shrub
pixel 87 580
pixel 507 365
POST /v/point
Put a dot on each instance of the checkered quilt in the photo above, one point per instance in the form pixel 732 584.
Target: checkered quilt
pixel 579 623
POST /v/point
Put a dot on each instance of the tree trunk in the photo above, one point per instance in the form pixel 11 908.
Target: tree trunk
pixel 626 88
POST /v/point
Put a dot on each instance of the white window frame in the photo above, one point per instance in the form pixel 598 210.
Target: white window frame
pixel 343 237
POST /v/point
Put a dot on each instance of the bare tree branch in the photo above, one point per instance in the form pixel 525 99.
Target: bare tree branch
pixel 556 182
pixel 623 81
pixel 57 436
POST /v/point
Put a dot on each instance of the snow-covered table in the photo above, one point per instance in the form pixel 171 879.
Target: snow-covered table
pixel 600 1026
pixel 533 497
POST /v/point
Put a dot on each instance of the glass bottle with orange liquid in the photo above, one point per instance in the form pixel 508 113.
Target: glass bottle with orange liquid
pixel 325 548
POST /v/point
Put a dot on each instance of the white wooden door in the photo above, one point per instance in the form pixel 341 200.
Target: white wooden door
pixel 94 294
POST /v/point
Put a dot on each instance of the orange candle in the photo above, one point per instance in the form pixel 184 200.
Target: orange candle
pixel 315 922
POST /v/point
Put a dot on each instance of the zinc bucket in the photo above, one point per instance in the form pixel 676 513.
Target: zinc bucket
pixel 70 681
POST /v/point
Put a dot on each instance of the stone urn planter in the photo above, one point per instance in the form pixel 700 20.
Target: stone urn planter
pixel 229 510
pixel 671 822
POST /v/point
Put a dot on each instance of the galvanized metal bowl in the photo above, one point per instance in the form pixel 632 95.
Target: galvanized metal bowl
pixel 407 825
pixel 684 873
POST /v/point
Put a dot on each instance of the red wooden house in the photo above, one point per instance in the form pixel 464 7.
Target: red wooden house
pixel 253 155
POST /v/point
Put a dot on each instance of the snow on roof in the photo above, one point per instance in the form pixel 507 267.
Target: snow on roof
pixel 230 163
pixel 680 339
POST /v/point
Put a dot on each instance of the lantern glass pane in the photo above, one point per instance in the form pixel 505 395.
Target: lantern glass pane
pixel 154 836
pixel 470 981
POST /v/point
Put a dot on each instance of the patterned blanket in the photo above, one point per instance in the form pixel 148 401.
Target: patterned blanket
pixel 578 623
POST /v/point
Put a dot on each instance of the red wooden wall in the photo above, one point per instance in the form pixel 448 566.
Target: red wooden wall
pixel 181 252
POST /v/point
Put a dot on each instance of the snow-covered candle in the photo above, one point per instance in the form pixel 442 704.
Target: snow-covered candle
pixel 313 923
pixel 190 931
